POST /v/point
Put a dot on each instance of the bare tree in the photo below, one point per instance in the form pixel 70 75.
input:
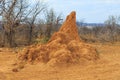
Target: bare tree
pixel 35 11
pixel 52 21
pixel 111 27
pixel 16 11
pixel 12 11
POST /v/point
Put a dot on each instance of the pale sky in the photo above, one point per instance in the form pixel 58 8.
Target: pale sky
pixel 89 10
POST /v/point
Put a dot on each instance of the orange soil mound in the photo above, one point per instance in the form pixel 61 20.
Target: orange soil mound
pixel 64 47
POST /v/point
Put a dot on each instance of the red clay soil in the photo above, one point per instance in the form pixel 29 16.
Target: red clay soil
pixel 64 47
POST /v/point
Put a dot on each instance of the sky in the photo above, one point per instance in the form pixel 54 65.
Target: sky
pixel 91 11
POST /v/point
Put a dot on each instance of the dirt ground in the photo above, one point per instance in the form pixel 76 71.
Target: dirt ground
pixel 106 68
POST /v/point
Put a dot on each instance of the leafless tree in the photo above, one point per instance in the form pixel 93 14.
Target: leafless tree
pixel 12 11
pixel 35 11
pixel 111 27
pixel 16 11
pixel 52 21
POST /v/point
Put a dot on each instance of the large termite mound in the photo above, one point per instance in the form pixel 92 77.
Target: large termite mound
pixel 64 47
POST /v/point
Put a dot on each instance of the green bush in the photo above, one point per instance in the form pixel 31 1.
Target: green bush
pixel 41 41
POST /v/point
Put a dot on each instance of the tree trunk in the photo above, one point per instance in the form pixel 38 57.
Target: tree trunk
pixel 30 34
pixel 9 39
pixel 48 30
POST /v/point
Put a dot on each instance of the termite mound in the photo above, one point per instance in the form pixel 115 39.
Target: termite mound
pixel 64 47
